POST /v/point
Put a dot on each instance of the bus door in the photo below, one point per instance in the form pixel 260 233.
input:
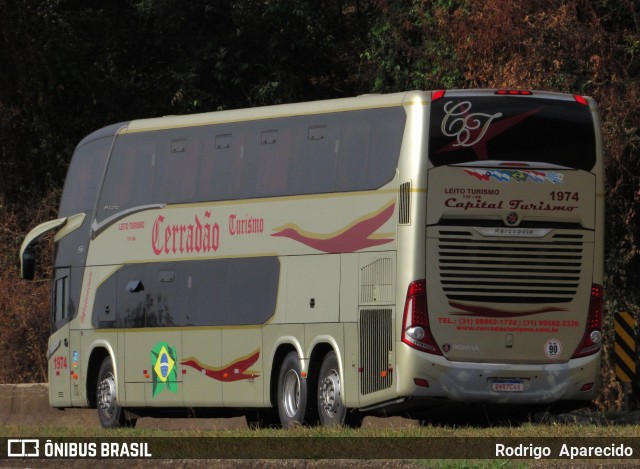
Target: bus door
pixel 59 360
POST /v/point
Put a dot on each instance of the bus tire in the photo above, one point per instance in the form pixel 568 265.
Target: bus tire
pixel 292 393
pixel 111 415
pixel 331 410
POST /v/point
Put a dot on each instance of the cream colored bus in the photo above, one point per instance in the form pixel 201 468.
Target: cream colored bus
pixel 314 262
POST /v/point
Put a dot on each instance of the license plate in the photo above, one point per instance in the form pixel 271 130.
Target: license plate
pixel 508 386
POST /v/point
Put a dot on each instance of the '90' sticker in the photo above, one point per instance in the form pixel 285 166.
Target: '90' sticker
pixel 553 348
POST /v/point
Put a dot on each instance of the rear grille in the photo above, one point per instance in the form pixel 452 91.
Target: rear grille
pixel 375 345
pixel 527 270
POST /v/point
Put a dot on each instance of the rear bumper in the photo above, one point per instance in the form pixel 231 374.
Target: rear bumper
pixel 473 382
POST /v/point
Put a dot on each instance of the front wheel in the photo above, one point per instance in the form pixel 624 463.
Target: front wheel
pixel 110 413
pixel 331 410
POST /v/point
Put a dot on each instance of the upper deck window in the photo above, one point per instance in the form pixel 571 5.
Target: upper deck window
pixel 83 177
pixel 313 154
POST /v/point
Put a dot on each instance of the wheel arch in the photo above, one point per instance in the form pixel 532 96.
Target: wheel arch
pixel 320 348
pixel 281 350
pixel 319 351
pixel 99 352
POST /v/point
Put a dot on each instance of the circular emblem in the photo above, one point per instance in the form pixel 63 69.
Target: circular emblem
pixel 552 348
pixel 512 219
pixel 446 348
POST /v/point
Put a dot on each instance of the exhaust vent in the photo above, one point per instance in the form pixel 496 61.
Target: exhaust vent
pixel 375 346
pixel 404 217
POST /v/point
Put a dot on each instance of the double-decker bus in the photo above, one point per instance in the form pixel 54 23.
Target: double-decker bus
pixel 313 262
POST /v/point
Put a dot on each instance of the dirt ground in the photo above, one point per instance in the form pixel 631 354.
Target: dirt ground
pixel 28 404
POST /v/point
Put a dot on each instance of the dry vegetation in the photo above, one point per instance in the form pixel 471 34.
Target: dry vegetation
pixel 24 306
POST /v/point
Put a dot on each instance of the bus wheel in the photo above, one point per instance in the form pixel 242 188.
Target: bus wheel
pixel 292 392
pixel 330 408
pixel 110 413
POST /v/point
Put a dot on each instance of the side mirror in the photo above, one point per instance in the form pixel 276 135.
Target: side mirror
pixel 28 263
pixel 27 250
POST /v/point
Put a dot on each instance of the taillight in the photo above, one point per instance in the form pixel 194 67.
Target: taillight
pixel 514 92
pixel 581 99
pixel 592 339
pixel 415 323
pixel 436 95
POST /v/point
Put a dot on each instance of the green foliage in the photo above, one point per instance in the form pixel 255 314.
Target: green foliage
pixel 409 48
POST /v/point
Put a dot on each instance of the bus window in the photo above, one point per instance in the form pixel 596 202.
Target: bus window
pixel 314 158
pixel 61 307
pixel 503 128
pixel 83 178
pixel 129 179
pixel 176 170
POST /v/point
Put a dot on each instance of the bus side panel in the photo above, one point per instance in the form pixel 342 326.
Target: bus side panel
pixel 241 372
pixel 349 293
pixel 313 285
pixel 201 362
pixel 351 375
pixel 153 358
pixel 59 369
pixel 78 391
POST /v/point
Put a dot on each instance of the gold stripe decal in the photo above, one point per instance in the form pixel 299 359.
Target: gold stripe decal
pixel 356 236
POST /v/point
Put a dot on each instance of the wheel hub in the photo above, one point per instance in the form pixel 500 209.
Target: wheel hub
pixel 330 392
pixel 107 395
pixel 291 393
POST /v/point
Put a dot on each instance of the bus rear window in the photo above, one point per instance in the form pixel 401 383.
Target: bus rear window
pixel 512 129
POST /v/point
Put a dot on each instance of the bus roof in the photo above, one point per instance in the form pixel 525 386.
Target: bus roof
pixel 277 111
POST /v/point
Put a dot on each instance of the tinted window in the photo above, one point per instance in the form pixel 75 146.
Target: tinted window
pixel 221 292
pixel 511 129
pixel 337 152
pixel 83 177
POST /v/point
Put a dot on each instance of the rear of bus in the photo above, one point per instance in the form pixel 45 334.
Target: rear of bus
pixel 514 250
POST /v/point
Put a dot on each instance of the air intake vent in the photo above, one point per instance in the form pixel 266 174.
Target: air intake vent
pixel 376 284
pixel 531 271
pixel 375 345
pixel 404 217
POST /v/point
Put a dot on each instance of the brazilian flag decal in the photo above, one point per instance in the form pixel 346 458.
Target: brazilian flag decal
pixel 163 364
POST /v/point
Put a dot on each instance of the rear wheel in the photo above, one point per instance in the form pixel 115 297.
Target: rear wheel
pixel 110 413
pixel 292 393
pixel 331 410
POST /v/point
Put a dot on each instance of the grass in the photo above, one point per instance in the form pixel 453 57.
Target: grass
pixel 523 431
pixel 311 446
pixel 429 446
